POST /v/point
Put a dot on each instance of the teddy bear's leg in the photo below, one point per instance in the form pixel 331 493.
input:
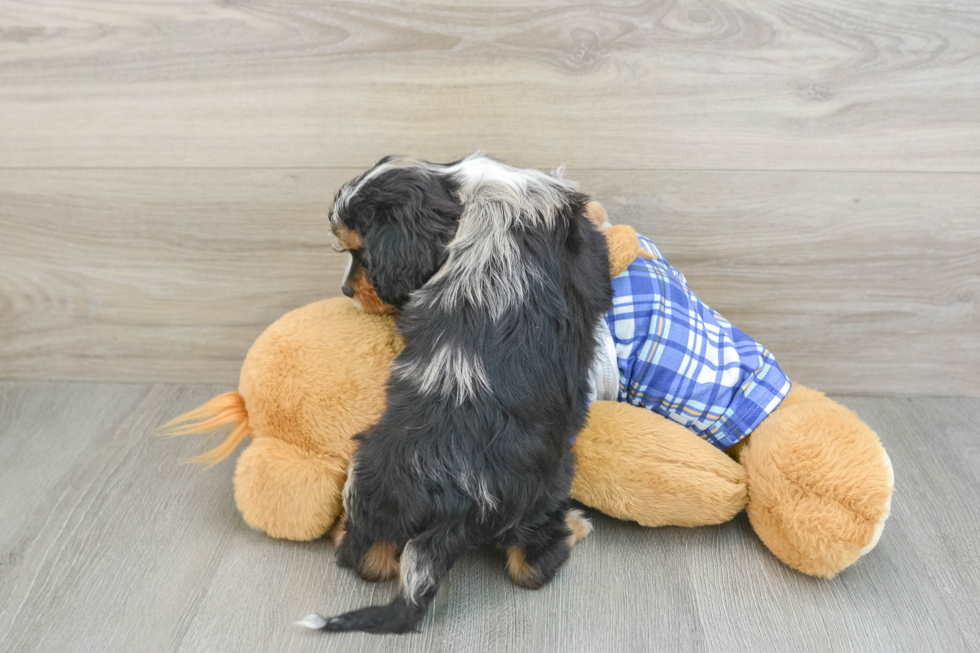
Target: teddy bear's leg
pixel 288 491
pixel 635 464
pixel 310 382
pixel 820 483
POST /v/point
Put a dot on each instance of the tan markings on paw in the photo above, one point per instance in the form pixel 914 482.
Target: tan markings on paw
pixel 579 526
pixel 380 564
pixel 523 574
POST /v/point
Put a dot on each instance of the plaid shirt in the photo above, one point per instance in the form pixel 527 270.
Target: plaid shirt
pixel 683 360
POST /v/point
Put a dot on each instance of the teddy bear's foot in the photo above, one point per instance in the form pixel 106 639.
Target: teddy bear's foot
pixel 820 484
pixel 287 491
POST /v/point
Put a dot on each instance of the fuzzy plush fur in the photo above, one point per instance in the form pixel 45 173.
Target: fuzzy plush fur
pixel 633 464
pixel 821 483
pixel 815 480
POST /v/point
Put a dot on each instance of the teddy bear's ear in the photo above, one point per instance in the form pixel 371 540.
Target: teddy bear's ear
pixel 624 248
pixel 597 214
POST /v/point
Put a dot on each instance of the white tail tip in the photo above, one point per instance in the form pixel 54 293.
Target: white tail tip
pixel 312 621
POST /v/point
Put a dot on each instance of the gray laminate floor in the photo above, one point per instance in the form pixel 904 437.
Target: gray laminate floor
pixel 108 544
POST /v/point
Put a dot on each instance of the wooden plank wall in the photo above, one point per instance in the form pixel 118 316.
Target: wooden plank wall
pixel 813 167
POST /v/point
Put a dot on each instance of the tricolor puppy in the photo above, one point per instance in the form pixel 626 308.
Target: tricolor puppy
pixel 499 281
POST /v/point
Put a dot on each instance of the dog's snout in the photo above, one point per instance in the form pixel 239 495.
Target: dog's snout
pixel 345 284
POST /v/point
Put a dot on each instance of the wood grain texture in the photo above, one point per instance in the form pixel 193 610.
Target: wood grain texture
pixel 155 275
pixel 658 84
pixel 110 545
pixel 861 283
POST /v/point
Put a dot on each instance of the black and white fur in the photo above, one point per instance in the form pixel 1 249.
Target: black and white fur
pixel 501 281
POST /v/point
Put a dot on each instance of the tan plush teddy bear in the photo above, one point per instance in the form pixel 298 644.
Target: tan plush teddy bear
pixel 814 479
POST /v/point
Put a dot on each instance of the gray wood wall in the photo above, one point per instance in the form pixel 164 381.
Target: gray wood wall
pixel 813 167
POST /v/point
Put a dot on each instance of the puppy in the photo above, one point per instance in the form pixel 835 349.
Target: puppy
pixel 500 280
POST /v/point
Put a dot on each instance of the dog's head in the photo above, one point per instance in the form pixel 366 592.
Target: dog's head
pixel 395 221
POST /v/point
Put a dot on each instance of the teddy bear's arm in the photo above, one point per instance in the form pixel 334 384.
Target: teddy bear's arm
pixel 635 464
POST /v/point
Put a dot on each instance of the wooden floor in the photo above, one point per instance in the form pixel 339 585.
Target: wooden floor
pixel 109 544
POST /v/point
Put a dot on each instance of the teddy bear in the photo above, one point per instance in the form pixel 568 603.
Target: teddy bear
pixel 814 479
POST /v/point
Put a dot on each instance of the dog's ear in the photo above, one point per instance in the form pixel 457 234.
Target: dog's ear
pixel 406 221
pixel 402 262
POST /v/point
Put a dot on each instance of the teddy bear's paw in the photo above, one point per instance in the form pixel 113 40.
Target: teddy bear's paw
pixel 880 527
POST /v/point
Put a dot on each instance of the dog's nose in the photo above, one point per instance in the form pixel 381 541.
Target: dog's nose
pixel 348 290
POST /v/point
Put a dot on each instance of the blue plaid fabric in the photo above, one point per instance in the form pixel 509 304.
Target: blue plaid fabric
pixel 683 360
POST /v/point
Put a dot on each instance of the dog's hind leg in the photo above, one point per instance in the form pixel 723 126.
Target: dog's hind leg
pixel 536 558
pixel 426 559
pixel 353 543
pixel 373 560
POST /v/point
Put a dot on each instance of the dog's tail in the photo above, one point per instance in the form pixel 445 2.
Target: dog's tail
pixel 424 562
pixel 228 408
